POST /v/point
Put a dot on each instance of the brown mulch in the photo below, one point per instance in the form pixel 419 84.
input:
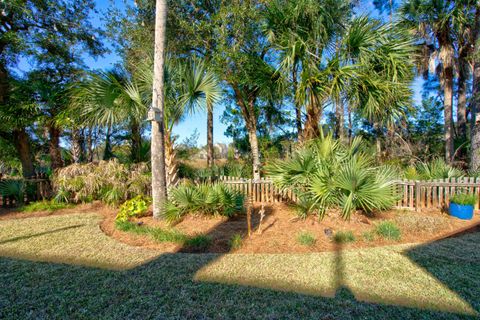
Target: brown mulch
pixel 279 231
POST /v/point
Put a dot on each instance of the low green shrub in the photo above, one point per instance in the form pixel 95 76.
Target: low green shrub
pixel 13 188
pixel 368 236
pixel 133 208
pixel 198 243
pixel 306 239
pixel 235 241
pixel 464 199
pixel 344 237
pixel 49 206
pixel 202 199
pixel 388 230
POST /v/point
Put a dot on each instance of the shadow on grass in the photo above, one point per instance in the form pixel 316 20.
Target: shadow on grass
pixel 40 234
pixel 168 287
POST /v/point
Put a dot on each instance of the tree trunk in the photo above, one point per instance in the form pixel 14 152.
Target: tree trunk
pixel 446 55
pixel 136 141
pixel 252 138
pixel 54 147
pixel 77 145
pixel 462 98
pixel 89 146
pixel 3 83
pixel 171 165
pixel 210 151
pixel 475 132
pixel 107 153
pixel 339 122
pixel 378 136
pixel 22 145
pixel 298 107
pixel 312 129
pixel 159 188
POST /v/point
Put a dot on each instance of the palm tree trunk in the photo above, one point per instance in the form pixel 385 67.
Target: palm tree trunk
pixel 159 188
pixel 339 123
pixel 298 107
pixel 77 145
pixel 475 132
pixel 210 151
pixel 107 153
pixel 22 145
pixel 462 98
pixel 171 164
pixel 89 146
pixel 446 55
pixel 312 129
pixel 54 147
pixel 136 141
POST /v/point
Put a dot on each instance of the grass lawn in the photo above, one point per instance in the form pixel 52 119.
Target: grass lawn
pixel 66 267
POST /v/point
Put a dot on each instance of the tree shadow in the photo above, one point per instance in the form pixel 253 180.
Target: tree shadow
pixel 168 287
pixel 40 234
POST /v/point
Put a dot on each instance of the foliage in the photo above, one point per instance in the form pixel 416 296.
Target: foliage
pixel 435 169
pixel 235 241
pixel 368 236
pixel 198 243
pixel 335 175
pixel 306 239
pixel 108 181
pixel 133 208
pixel 388 230
pixel 49 206
pixel 13 188
pixel 202 199
pixel 158 234
pixel 464 199
pixel 344 237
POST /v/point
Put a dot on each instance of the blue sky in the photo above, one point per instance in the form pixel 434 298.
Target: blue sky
pixel 197 121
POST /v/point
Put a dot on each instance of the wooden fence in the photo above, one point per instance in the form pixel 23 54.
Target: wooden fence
pixel 412 194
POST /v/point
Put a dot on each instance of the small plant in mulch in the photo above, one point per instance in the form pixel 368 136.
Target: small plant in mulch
pixel 388 230
pixel 344 237
pixel 368 236
pixel 306 239
pixel 235 241
pixel 198 243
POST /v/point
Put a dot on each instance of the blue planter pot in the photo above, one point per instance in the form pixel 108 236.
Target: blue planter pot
pixel 464 212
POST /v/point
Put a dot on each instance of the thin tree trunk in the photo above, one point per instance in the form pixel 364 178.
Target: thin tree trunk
pixel 339 121
pixel 462 98
pixel 210 151
pixel 253 139
pixel 107 153
pixel 54 147
pixel 136 141
pixel 350 124
pixel 378 136
pixel 446 55
pixel 475 132
pixel 159 188
pixel 22 145
pixel 89 146
pixel 298 107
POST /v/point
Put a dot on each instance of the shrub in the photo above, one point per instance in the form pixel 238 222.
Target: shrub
pixel 464 199
pixel 13 188
pixel 336 175
pixel 49 206
pixel 435 169
pixel 202 199
pixel 235 241
pixel 344 237
pixel 368 236
pixel 109 181
pixel 133 208
pixel 388 230
pixel 198 243
pixel 306 239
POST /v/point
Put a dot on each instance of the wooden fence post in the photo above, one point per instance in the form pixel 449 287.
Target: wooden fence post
pixel 417 195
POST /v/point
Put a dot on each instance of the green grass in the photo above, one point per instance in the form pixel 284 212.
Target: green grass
pixel 388 230
pixel 49 206
pixel 368 236
pixel 306 239
pixel 198 243
pixel 235 241
pixel 344 237
pixel 65 267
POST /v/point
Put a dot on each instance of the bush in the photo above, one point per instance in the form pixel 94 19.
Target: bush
pixel 344 237
pixel 198 243
pixel 108 181
pixel 235 241
pixel 435 169
pixel 203 199
pixel 13 188
pixel 336 175
pixel 388 230
pixel 306 239
pixel 368 236
pixel 49 206
pixel 134 208
pixel 464 199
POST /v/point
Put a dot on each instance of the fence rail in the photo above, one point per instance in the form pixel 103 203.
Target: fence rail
pixel 412 194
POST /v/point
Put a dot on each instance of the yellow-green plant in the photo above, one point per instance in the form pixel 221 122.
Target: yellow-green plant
pixel 133 208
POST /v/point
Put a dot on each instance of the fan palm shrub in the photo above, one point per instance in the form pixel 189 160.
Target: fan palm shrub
pixel 435 169
pixel 328 174
pixel 202 199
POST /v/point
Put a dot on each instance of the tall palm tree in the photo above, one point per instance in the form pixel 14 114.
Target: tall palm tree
pixel 475 120
pixel 433 21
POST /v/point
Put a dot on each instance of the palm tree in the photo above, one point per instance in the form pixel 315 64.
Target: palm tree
pixel 475 149
pixel 433 21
